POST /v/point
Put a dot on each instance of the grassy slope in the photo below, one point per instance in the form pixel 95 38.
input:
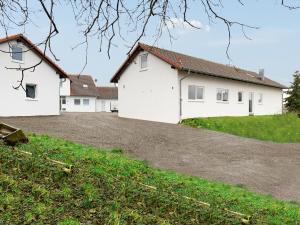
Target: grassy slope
pixel 279 128
pixel 106 188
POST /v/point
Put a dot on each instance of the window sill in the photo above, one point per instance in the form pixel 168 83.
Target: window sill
pixel 224 102
pixel 240 102
pixel 144 69
pixel 17 61
pixel 195 100
pixel 31 99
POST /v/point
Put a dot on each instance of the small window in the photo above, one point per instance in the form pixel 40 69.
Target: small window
pixel 16 53
pixel 223 95
pixel 195 92
pixel 86 101
pixel 77 101
pixel 144 61
pixel 260 99
pixel 85 86
pixel 31 91
pixel 63 100
pixel 240 96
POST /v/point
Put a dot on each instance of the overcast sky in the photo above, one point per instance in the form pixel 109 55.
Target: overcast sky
pixel 275 46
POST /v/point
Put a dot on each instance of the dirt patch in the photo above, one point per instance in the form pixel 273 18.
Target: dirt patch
pixel 263 167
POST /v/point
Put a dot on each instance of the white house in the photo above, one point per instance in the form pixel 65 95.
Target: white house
pixel 78 94
pixel 39 93
pixel 107 99
pixel 160 85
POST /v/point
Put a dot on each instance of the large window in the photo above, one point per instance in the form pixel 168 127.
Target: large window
pixel 17 53
pixel 195 92
pixel 240 97
pixel 86 101
pixel 77 101
pixel 260 98
pixel 31 91
pixel 222 95
pixel 144 61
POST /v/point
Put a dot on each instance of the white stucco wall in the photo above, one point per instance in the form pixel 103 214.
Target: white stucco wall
pixel 13 102
pixel 210 107
pixel 106 105
pixel 65 87
pixel 71 107
pixel 150 94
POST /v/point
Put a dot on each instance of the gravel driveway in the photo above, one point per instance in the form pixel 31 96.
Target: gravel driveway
pixel 263 167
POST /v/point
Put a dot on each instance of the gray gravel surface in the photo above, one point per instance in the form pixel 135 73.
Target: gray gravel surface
pixel 263 167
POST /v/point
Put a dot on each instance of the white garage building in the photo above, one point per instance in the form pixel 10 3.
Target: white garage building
pixel 160 85
pixel 39 93
pixel 107 99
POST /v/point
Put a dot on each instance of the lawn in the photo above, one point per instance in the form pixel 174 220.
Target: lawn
pixel 105 187
pixel 277 128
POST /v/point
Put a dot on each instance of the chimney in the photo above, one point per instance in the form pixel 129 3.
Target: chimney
pixel 261 74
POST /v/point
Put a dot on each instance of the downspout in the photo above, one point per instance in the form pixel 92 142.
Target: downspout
pixel 180 94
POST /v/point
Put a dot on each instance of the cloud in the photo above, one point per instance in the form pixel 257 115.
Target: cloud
pixel 179 23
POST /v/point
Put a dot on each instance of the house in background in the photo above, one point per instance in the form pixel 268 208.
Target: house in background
pixel 40 95
pixel 160 85
pixel 78 94
pixel 107 99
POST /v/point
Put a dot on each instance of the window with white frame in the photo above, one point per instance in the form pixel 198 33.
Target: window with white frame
pixel 17 53
pixel 77 101
pixel 31 91
pixel 144 61
pixel 260 98
pixel 85 85
pixel 86 101
pixel 222 95
pixel 240 97
pixel 195 92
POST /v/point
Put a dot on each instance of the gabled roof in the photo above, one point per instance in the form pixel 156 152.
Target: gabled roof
pixel 83 85
pixel 107 92
pixel 34 48
pixel 192 64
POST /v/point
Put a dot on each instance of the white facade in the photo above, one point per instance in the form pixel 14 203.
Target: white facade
pixel 45 79
pixel 78 104
pixel 106 105
pixel 153 93
pixel 210 107
pixel 65 87
pixel 149 94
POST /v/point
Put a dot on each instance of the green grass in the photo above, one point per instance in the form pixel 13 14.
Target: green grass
pixel 277 128
pixel 106 187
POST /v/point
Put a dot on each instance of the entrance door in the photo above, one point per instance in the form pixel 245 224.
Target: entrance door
pixel 251 96
pixel 62 103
